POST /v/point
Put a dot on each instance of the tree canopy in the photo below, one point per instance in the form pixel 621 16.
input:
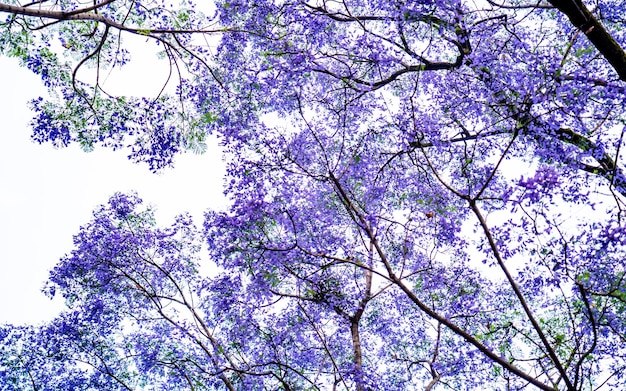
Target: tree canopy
pixel 425 195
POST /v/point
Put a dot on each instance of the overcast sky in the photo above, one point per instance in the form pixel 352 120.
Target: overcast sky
pixel 47 194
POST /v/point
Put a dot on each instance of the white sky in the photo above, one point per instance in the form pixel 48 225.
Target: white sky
pixel 46 194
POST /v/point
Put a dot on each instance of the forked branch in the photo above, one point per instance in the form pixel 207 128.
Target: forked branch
pixel 362 223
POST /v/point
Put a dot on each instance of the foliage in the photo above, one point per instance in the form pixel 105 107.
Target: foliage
pixel 425 195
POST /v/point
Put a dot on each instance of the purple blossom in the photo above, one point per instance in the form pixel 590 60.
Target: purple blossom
pixel 544 182
pixel 372 152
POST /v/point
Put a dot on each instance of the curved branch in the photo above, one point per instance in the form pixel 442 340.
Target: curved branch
pixel 95 52
pixel 426 66
pixel 92 8
pixel 84 14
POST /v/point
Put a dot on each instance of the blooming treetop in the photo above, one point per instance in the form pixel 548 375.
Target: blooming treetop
pixel 425 195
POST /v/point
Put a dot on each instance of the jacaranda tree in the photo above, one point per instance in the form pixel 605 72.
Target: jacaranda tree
pixel 425 195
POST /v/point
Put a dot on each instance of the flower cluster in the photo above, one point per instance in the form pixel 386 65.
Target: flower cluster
pixel 545 181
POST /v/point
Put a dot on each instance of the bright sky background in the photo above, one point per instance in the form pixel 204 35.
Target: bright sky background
pixel 46 194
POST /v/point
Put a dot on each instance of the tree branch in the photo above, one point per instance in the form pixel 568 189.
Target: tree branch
pixel 421 305
pixel 85 14
pixel 583 19
pixel 494 249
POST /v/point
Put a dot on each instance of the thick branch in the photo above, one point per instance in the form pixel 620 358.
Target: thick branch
pixel 608 168
pixel 356 318
pixel 358 358
pixel 85 14
pixel 583 19
pixel 426 66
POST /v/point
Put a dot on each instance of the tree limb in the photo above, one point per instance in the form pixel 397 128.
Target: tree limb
pixel 85 14
pixel 421 305
pixel 583 19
